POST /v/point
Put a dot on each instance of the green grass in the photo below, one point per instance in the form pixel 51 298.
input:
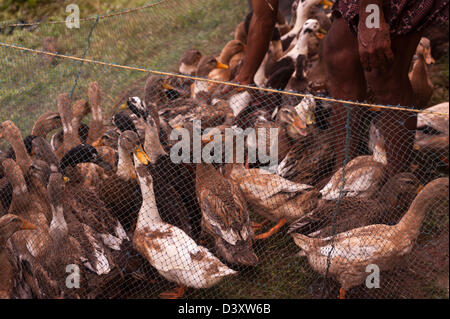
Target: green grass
pixel 439 77
pixel 153 38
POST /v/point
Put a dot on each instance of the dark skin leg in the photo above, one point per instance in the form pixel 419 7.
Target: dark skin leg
pixel 259 35
pixel 342 58
pixel 390 87
pixel 394 88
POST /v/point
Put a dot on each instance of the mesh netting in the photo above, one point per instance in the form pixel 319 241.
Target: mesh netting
pixel 108 149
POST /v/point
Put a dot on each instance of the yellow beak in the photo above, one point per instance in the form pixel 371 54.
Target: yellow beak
pixel 97 142
pixel 141 155
pixel 66 179
pixel 168 86
pixel 124 106
pixel 221 65
pixel 326 4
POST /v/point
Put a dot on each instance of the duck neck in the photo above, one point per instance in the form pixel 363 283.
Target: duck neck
pixel 153 146
pixel 6 231
pixel 58 226
pixel 125 169
pixel 20 151
pixel 43 127
pixel 301 17
pixel 301 47
pixel 148 213
pixel 412 221
pixel 419 69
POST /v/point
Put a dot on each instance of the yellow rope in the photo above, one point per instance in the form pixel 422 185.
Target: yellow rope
pixel 182 76
pixel 88 19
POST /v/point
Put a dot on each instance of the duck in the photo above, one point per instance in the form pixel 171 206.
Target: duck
pixel 96 126
pixel 310 152
pixel 420 76
pixel 46 123
pixel 120 192
pixel 240 33
pixel 85 213
pixel 21 148
pixel 199 89
pixel 187 65
pixel 191 265
pixel 85 202
pixel 74 114
pixel 29 247
pixel 273 197
pixel 174 184
pixel 231 54
pixel 384 245
pixel 9 225
pixel 387 207
pixel 303 12
pixel 70 133
pixel 274 53
pixel 432 129
pixel 225 216
pixel 189 61
pixel 93 174
pixel 290 126
pixel 363 176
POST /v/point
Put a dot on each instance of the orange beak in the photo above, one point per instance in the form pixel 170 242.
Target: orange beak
pixel 299 126
pixel 221 65
pixel 428 58
pixel 168 86
pixel 97 142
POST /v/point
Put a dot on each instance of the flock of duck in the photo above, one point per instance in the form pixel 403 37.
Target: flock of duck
pixel 108 198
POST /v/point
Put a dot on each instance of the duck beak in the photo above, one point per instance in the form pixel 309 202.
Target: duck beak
pixel 27 225
pixel 320 34
pixel 168 86
pixel 420 188
pixel 326 4
pixel 98 143
pixel 221 65
pixel 428 58
pixel 141 155
pixel 299 126
pixel 208 138
pixel 124 106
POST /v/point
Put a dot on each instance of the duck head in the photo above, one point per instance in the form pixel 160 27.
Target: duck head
pixel 189 61
pixel 83 153
pixel 298 120
pixel 129 142
pixel 207 64
pixel 46 123
pixel 10 224
pixel 424 51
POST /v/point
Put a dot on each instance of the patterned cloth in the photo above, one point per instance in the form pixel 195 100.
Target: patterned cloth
pixel 403 16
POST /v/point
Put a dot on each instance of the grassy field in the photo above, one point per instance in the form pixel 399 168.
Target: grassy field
pixel 153 38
